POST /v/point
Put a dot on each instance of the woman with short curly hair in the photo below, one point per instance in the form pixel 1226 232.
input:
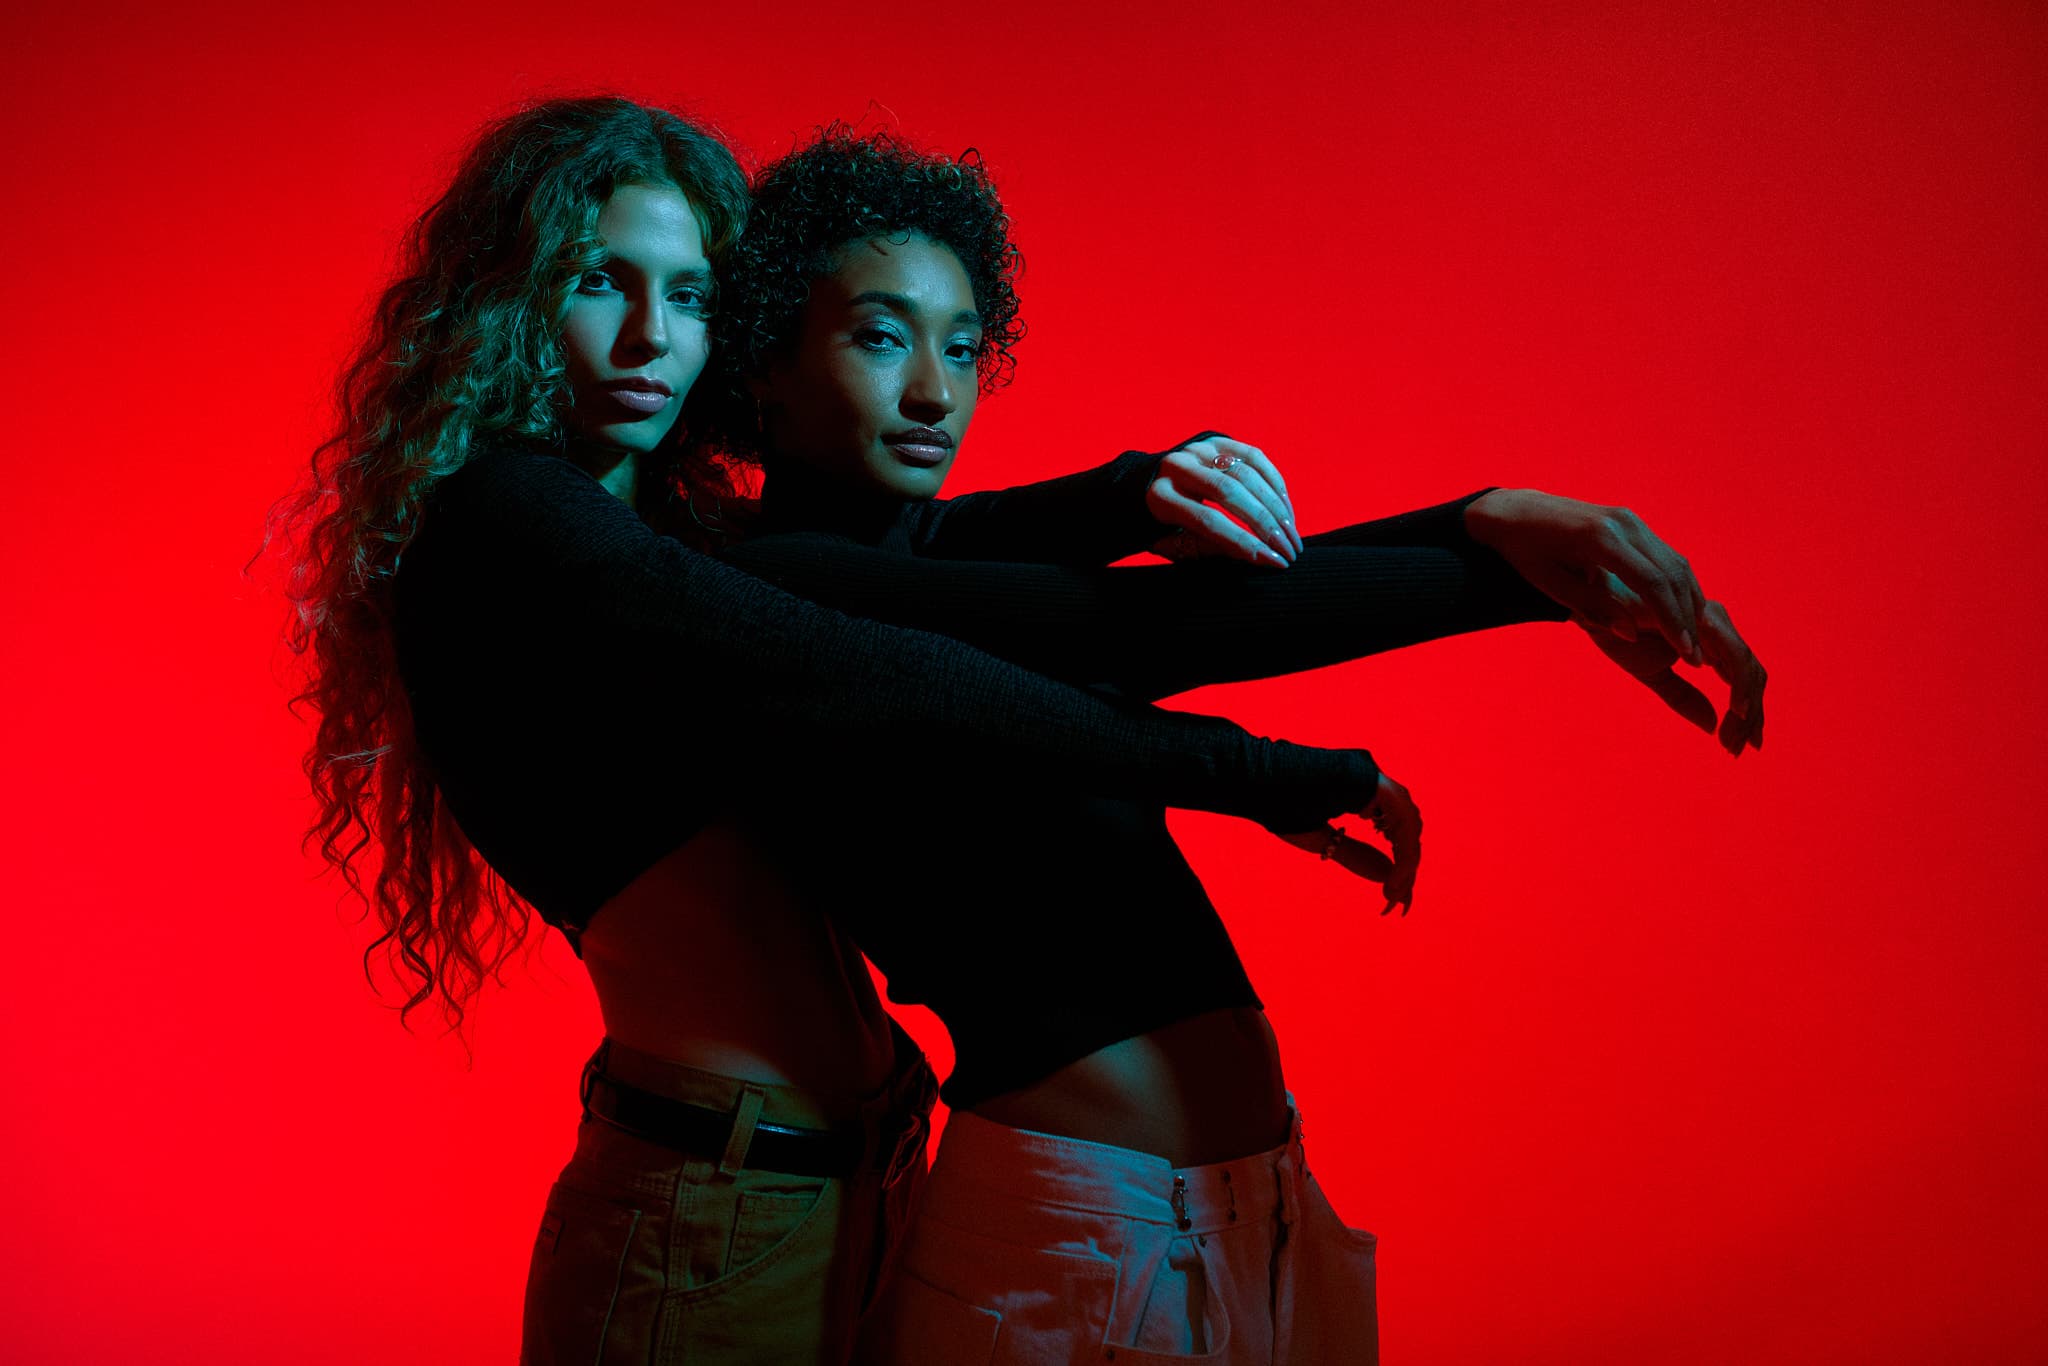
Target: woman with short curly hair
pixel 1123 1170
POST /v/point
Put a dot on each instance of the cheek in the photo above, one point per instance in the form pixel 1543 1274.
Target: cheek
pixel 867 397
pixel 692 347
pixel 583 341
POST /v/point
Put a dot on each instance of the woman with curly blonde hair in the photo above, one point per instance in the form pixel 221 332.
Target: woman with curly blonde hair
pixel 533 697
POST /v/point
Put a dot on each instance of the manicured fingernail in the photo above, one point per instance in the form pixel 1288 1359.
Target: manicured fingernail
pixel 1692 647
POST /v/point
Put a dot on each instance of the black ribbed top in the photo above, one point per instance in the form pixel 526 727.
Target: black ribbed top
pixel 1041 922
pixel 591 693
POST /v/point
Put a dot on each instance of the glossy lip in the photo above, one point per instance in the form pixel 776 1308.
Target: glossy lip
pixel 921 445
pixel 641 384
pixel 639 395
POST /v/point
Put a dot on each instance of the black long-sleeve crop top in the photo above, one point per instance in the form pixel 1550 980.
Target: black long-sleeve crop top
pixel 1041 923
pixel 590 693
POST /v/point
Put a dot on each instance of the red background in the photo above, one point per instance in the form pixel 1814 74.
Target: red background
pixel 1679 1059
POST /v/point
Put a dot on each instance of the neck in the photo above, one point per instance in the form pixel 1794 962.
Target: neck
pixel 617 470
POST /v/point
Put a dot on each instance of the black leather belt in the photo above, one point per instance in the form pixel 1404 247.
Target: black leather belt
pixel 703 1132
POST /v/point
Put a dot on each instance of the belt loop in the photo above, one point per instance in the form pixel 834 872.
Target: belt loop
pixel 744 1116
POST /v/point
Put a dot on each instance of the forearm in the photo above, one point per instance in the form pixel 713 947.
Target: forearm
pixel 1091 517
pixel 1156 630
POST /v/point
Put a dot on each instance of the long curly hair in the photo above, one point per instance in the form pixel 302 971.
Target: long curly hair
pixel 849 186
pixel 462 348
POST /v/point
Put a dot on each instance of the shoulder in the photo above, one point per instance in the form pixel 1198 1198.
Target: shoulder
pixel 508 471
pixel 524 496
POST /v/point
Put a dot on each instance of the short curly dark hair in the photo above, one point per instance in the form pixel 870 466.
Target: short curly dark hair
pixel 849 187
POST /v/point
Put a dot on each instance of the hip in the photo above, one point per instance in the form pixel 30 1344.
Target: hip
pixel 648 1252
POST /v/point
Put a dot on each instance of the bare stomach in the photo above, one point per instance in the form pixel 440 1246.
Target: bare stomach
pixel 709 959
pixel 1204 1089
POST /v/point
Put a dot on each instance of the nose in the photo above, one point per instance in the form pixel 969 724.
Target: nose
pixel 928 393
pixel 646 330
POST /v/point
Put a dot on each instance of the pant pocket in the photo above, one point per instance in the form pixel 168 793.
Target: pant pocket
pixel 1032 1304
pixel 572 1311
pixel 1333 1292
pixel 786 1295
pixel 763 1220
pixel 917 1324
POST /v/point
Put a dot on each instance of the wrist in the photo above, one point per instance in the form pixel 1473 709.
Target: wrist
pixel 1491 513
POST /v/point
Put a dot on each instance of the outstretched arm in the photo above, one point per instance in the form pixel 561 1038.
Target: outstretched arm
pixel 800 687
pixel 1154 630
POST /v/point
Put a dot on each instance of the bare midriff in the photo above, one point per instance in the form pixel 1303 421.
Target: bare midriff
pixel 708 959
pixel 711 960
pixel 1204 1089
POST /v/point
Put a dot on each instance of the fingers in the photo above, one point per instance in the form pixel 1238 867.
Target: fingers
pixel 1739 667
pixel 1361 858
pixel 1280 502
pixel 1240 479
pixel 1658 575
pixel 1208 531
pixel 1683 698
pixel 1394 814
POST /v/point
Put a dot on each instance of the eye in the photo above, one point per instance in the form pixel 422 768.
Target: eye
pixel 963 351
pixel 875 338
pixel 596 282
pixel 691 298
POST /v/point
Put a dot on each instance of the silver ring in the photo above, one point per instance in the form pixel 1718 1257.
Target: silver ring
pixel 1225 461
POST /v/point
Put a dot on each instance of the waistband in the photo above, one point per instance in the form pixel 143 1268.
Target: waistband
pixel 983 1166
pixel 910 1087
pixel 886 1128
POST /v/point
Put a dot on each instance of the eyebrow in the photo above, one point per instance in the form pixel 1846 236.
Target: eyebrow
pixel 687 275
pixel 903 305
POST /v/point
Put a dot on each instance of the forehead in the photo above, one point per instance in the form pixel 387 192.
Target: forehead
pixel 653 224
pixel 918 269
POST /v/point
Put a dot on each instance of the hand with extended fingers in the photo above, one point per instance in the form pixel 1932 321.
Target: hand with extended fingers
pixel 1227 498
pixel 1634 595
pixel 1393 813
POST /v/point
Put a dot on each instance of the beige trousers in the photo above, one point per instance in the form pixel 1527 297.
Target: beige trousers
pixel 651 1256
pixel 1032 1248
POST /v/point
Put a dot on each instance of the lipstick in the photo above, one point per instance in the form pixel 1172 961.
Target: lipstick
pixel 643 396
pixel 925 446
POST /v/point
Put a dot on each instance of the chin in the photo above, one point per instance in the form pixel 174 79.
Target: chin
pixel 908 481
pixel 919 483
pixel 639 438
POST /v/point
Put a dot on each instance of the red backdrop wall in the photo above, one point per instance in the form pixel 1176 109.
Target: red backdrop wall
pixel 1679 1059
